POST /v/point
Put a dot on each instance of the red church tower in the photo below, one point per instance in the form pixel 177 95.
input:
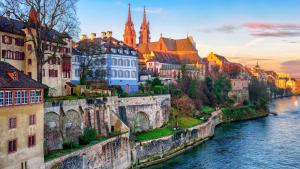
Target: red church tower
pixel 145 30
pixel 129 34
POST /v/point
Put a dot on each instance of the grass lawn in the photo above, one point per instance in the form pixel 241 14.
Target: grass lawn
pixel 187 122
pixel 154 134
pixel 183 123
pixel 207 109
pixel 58 153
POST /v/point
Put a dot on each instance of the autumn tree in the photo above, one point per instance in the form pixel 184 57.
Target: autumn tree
pixel 46 22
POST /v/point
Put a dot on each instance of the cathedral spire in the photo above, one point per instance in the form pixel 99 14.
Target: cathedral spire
pixel 129 32
pixel 145 30
pixel 129 14
pixel 145 17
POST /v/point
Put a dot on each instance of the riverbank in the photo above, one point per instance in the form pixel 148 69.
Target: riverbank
pixel 155 151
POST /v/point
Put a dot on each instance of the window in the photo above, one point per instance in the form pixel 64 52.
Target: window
pixel 24 97
pixel 1 98
pixel 127 62
pixel 18 97
pixel 30 74
pixel 43 73
pixel 115 62
pixel 12 123
pixel 12 146
pixel 133 74
pixel 120 62
pixel 31 141
pixel 29 62
pixel 19 42
pixel 133 63
pixel 38 96
pixel 35 96
pixel 120 73
pixel 32 96
pixel 29 47
pixel 6 39
pixel 8 98
pixel 114 73
pixel 24 165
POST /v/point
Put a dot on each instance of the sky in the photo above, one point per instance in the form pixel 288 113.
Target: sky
pixel 244 31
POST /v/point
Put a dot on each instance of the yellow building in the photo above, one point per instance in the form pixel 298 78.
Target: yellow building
pixel 17 49
pixel 21 120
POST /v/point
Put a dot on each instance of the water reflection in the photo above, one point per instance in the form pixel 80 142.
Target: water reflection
pixel 272 142
pixel 285 105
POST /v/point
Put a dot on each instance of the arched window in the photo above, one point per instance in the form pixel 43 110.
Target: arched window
pixel 120 73
pixel 127 62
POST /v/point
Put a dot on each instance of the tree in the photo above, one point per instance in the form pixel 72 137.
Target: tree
pixel 221 87
pixel 49 23
pixel 90 53
pixel 258 93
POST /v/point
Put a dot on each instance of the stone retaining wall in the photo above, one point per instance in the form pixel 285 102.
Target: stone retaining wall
pixel 110 154
pixel 148 152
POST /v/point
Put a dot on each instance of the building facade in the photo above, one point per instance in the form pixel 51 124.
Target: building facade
pixel 116 63
pixel 17 49
pixel 21 120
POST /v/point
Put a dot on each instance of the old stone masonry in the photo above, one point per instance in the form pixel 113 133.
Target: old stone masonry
pixel 108 115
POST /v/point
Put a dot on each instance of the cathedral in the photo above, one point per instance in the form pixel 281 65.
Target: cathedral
pixel 179 51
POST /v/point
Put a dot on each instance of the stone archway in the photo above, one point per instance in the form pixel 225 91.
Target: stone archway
pixel 72 125
pixel 52 132
pixel 142 122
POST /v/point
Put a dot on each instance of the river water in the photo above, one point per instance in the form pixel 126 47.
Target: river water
pixel 272 142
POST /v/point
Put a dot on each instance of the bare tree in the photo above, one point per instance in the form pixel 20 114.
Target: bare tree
pixel 92 62
pixel 46 22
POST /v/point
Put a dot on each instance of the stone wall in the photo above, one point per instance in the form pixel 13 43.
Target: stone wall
pixel 67 119
pixel 110 154
pixel 144 113
pixel 148 152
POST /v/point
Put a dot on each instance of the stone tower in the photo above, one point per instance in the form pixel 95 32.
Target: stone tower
pixel 129 33
pixel 145 30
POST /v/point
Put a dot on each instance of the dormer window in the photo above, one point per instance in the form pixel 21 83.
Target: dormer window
pixel 120 51
pixel 113 50
pixel 126 51
pixel 133 53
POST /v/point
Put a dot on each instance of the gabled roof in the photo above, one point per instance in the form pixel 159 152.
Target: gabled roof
pixel 15 27
pixel 108 43
pixel 23 81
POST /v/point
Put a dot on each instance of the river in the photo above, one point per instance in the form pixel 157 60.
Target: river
pixel 272 142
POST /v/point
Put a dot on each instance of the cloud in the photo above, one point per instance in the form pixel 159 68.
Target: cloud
pixel 271 26
pixel 261 29
pixel 275 34
pixel 223 29
pixel 292 67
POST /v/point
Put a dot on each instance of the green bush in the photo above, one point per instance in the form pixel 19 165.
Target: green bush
pixel 69 144
pixel 158 89
pixel 88 136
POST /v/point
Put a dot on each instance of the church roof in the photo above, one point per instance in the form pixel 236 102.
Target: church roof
pixel 163 57
pixel 22 80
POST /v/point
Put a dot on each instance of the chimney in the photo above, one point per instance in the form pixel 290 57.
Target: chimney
pixel 103 35
pixel 83 37
pixel 109 34
pixel 92 36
